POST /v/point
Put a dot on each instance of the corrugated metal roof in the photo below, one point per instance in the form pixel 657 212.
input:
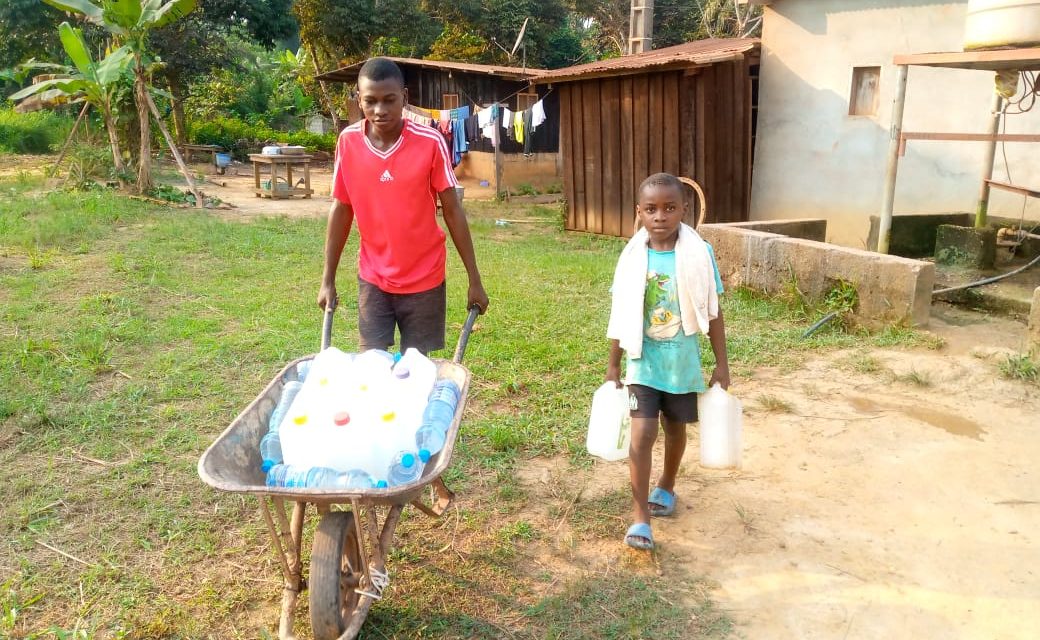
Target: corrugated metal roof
pixel 690 54
pixel 350 72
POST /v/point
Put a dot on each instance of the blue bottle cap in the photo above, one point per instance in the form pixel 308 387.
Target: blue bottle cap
pixel 382 484
pixel 424 455
pixel 397 356
pixel 266 466
pixel 407 460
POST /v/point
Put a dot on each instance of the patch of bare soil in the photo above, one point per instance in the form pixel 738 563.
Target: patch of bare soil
pixel 237 188
pixel 896 499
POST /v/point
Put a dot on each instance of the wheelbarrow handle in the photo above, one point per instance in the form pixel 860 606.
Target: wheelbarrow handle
pixel 326 324
pixel 460 348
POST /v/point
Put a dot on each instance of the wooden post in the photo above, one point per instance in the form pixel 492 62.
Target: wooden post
pixel 68 140
pixel 888 201
pixel 173 149
pixel 982 208
pixel 498 151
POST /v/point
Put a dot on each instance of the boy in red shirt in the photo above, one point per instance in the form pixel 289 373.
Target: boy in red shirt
pixel 387 175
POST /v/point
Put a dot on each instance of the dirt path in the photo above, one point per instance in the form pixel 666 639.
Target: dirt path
pixel 875 507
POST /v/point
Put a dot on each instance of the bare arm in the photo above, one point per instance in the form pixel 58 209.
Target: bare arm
pixel 614 363
pixel 458 227
pixel 717 337
pixel 341 218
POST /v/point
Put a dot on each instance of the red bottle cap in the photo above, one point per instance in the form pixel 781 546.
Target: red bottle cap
pixel 341 418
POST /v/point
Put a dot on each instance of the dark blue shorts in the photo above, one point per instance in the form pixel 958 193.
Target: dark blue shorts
pixel 419 316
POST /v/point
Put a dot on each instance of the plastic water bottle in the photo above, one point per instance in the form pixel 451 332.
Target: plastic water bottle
pixel 289 391
pixel 440 411
pixel 302 369
pixel 429 440
pixel 355 479
pixel 285 475
pixel 446 390
pixel 270 450
pixel 405 468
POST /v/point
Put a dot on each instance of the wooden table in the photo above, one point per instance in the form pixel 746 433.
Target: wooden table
pixel 288 161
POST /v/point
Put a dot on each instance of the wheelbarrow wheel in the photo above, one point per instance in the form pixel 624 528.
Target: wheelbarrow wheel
pixel 335 572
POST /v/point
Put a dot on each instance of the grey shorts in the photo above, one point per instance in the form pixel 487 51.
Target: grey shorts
pixel 647 402
pixel 419 316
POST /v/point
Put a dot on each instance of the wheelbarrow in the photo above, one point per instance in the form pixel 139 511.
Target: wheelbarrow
pixel 349 551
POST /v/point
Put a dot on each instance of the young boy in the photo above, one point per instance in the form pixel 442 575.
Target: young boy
pixel 388 171
pixel 666 288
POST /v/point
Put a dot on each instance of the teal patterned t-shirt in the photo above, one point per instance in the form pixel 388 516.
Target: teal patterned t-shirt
pixel 671 360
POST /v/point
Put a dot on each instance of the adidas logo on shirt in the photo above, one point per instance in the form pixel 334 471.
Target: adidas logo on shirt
pixel 386 177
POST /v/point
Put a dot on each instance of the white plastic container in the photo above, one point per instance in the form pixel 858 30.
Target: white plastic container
pixel 610 424
pixel 721 428
pixel 1001 24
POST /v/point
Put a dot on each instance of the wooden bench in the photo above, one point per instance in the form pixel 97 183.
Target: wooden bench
pixel 189 150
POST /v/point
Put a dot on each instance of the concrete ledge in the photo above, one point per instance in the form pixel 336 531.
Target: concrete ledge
pixel 1034 323
pixel 804 228
pixel 913 235
pixel 891 290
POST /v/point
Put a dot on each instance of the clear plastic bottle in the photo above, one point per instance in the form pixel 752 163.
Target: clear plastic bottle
pixel 284 475
pixel 429 440
pixel 270 450
pixel 289 391
pixel 355 479
pixel 302 369
pixel 405 468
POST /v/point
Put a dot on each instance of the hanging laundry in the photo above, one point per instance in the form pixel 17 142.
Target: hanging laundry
pixel 518 126
pixel 528 131
pixel 537 115
pixel 472 128
pixel 507 118
pixel 485 116
pixel 458 122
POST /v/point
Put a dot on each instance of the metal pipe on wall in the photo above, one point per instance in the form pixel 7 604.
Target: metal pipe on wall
pixel 982 208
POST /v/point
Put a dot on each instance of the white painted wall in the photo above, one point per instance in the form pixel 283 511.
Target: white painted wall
pixel 814 160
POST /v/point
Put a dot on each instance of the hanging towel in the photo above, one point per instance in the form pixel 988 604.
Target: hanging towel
pixel 695 286
pixel 518 126
pixel 507 118
pixel 537 115
pixel 485 117
pixel 527 130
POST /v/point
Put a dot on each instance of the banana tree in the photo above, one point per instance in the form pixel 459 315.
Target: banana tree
pixel 94 83
pixel 130 22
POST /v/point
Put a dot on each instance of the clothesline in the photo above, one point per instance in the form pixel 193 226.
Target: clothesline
pixel 461 125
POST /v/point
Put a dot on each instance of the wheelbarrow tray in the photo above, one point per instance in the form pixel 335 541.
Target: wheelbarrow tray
pixel 232 463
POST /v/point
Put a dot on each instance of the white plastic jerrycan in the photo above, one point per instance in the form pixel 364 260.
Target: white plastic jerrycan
pixel 721 428
pixel 610 427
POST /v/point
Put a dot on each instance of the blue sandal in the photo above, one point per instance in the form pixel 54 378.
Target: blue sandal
pixel 640 537
pixel 661 502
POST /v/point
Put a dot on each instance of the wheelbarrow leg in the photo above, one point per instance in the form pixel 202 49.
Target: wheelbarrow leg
pixel 287 540
pixel 380 542
pixel 443 497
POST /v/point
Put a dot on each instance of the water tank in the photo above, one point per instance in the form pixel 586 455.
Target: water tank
pixel 1002 24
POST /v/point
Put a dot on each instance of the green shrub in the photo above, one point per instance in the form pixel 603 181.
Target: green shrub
pixel 242 138
pixel 36 132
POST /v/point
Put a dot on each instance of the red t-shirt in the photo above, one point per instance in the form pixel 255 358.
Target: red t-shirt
pixel 393 195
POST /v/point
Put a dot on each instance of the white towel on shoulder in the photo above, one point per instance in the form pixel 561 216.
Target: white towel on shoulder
pixel 694 280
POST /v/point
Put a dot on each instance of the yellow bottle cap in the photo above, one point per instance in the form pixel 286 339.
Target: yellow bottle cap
pixel 301 420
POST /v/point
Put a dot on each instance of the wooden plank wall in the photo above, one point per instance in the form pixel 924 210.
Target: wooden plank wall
pixel 617 131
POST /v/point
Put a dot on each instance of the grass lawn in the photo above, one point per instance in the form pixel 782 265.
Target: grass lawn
pixel 131 335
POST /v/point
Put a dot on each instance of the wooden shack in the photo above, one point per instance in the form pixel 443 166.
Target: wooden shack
pixel 436 84
pixel 688 110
